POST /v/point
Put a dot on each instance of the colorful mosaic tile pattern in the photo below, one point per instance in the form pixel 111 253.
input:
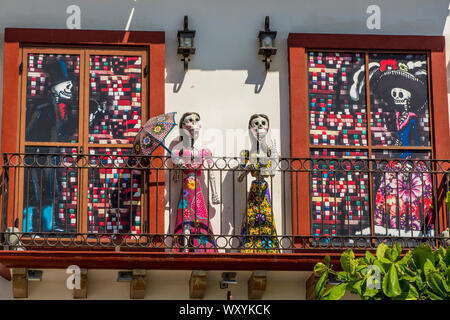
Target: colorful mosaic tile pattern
pixel 114 195
pixel 115 99
pixel 339 200
pixel 335 119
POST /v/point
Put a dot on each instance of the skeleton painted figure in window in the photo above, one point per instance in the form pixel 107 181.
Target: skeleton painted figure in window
pixel 258 226
pixel 52 117
pixel 402 88
pixel 402 194
pixel 193 223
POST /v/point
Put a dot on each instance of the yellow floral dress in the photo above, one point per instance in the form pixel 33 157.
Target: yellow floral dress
pixel 259 234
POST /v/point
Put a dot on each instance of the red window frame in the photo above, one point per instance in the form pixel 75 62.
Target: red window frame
pixel 298 46
pixel 152 41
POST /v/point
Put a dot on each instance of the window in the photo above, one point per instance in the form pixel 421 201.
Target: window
pixel 82 92
pixel 368 97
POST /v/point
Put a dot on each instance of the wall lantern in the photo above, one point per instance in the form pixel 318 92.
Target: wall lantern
pixel 186 43
pixel 267 43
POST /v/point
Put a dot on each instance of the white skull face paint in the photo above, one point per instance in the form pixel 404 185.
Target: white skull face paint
pixel 259 127
pixel 192 124
pixel 63 89
pixel 401 96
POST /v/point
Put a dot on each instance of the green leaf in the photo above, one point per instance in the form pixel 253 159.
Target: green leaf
pixel 428 267
pixel 421 285
pixel 357 287
pixel 381 250
pixel 336 292
pixel 421 254
pixel 406 273
pixel 408 292
pixel 384 268
pixel 447 257
pixel 431 295
pixel 320 285
pixel 447 200
pixel 388 254
pixel 391 285
pixel 441 264
pixel 397 251
pixel 406 259
pixel 319 268
pixel 385 260
pixel 413 294
pixel 327 260
pixel 370 292
pixel 347 261
pixel 369 257
pixel 344 276
pixel 437 284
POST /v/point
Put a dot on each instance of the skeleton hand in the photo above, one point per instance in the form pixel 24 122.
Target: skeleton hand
pixel 244 173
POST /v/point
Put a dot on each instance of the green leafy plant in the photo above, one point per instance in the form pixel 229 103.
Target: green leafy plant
pixel 421 274
pixel 447 200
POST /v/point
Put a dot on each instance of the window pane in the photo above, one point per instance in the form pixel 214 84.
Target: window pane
pixel 115 106
pixel 52 98
pixel 50 190
pixel 399 100
pixel 114 194
pixel 340 200
pixel 335 118
pixel 403 194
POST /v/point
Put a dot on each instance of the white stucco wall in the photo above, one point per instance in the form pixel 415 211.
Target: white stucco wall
pixel 226 81
pixel 165 284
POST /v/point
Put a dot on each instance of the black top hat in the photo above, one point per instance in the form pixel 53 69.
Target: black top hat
pixel 413 80
pixel 57 71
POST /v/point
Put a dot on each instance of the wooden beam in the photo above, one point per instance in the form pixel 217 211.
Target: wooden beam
pixel 81 293
pixel 19 282
pixel 127 260
pixel 257 284
pixel 5 272
pixel 138 284
pixel 197 284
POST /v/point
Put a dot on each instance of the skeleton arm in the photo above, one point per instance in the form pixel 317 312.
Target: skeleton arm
pixel 215 196
pixel 245 165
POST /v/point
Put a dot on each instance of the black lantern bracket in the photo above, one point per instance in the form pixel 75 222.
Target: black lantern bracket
pixel 186 43
pixel 267 43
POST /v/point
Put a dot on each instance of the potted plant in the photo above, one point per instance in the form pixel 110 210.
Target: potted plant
pixel 420 274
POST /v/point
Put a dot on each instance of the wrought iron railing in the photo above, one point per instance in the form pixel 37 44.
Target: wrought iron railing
pixel 127 202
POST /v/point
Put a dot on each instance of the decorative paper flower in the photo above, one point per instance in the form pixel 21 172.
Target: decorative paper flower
pixel 388 64
pixel 260 218
pixel 191 184
pixel 157 129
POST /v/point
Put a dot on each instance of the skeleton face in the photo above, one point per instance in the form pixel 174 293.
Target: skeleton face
pixel 63 89
pixel 192 124
pixel 259 127
pixel 401 96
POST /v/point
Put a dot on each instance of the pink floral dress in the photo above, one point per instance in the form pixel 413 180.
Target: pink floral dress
pixel 404 201
pixel 192 216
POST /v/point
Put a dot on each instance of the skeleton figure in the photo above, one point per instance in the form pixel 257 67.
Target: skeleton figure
pixel 192 224
pixel 258 227
pixel 402 87
pixel 51 121
pixel 403 197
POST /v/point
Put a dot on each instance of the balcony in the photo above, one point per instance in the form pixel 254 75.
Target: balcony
pixel 122 211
